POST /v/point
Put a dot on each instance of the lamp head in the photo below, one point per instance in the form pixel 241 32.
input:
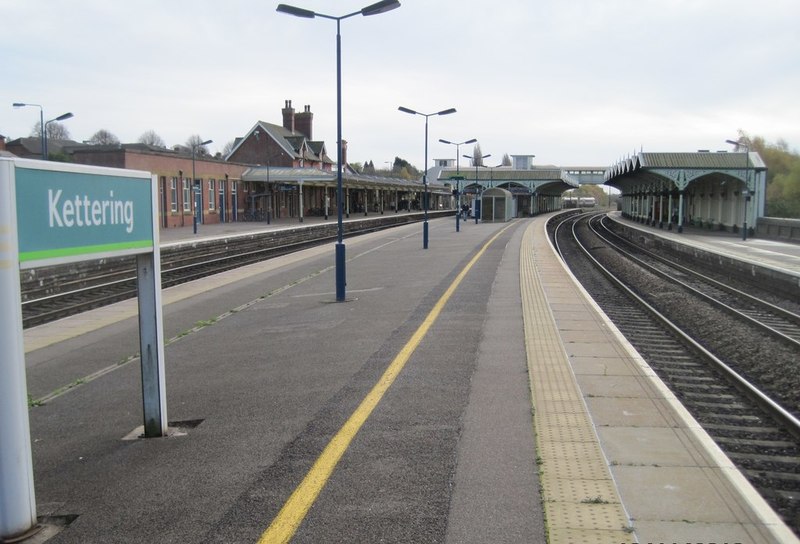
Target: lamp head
pixel 19 104
pixel 380 7
pixel 472 141
pixel 297 12
pixel 446 112
pixel 64 117
pixel 407 110
pixel 445 141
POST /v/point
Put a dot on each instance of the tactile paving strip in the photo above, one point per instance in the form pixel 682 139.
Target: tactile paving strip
pixel 580 498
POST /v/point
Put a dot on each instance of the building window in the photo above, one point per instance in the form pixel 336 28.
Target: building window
pixel 211 194
pixel 187 195
pixel 173 195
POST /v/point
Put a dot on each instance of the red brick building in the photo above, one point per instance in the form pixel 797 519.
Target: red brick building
pixel 220 198
pixel 290 145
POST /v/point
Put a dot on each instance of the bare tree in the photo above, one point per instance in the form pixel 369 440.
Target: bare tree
pixel 55 131
pixel 103 137
pixel 506 160
pixel 194 141
pixel 477 155
pixel 150 137
pixel 228 148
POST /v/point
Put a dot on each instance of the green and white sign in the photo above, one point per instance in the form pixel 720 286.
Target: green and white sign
pixel 64 216
pixel 53 213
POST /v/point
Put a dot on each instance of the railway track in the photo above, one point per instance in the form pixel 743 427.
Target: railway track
pixel 52 293
pixel 731 362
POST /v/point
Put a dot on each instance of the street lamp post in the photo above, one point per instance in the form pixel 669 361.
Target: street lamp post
pixel 425 167
pixel 746 192
pixel 476 161
pixel 41 122
pixel 62 117
pixel 198 201
pixel 458 188
pixel 373 9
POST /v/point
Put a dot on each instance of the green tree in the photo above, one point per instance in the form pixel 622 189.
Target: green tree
pixel 783 175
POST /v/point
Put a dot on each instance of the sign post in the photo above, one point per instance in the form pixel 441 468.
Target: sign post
pixel 55 213
pixel 17 499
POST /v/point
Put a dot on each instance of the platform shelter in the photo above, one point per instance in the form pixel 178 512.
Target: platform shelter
pixel 497 205
pixel 714 190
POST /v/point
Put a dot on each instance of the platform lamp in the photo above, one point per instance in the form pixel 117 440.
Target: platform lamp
pixel 62 117
pixel 373 9
pixel 746 192
pixel 41 122
pixel 476 179
pixel 198 201
pixel 425 168
pixel 458 179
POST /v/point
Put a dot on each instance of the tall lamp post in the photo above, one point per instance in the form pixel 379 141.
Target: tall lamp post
pixel 373 9
pixel 746 192
pixel 198 201
pixel 476 161
pixel 62 117
pixel 425 168
pixel 458 188
pixel 41 122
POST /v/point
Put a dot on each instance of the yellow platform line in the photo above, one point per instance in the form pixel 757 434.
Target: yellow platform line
pixel 581 502
pixel 286 523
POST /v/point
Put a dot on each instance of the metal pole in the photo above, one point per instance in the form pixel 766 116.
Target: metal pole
pixel 44 134
pixel 477 195
pixel 340 248
pixel 458 191
pixel 425 193
pixel 194 191
pixel 746 190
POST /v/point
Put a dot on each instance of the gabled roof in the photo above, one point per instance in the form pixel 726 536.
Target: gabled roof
pixel 294 144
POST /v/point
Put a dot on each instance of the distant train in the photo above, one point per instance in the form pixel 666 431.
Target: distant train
pixel 578 202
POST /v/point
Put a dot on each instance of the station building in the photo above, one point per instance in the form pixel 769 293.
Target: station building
pixel 533 189
pixel 281 171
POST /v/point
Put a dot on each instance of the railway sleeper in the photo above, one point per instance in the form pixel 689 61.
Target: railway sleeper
pixel 791 462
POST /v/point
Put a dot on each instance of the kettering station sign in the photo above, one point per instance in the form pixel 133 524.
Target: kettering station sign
pixel 63 216
pixel 56 213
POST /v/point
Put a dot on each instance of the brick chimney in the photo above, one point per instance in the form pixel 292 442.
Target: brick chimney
pixel 303 122
pixel 288 116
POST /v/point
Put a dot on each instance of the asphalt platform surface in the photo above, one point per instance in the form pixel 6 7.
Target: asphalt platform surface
pixel 264 371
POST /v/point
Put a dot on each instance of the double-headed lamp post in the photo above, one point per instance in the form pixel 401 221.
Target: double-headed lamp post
pixel 476 162
pixel 425 167
pixel 458 173
pixel 43 124
pixel 746 192
pixel 197 188
pixel 373 9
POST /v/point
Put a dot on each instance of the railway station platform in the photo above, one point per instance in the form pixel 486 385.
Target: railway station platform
pixel 783 257
pixel 470 392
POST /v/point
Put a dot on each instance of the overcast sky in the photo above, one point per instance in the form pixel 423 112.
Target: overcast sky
pixel 574 82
